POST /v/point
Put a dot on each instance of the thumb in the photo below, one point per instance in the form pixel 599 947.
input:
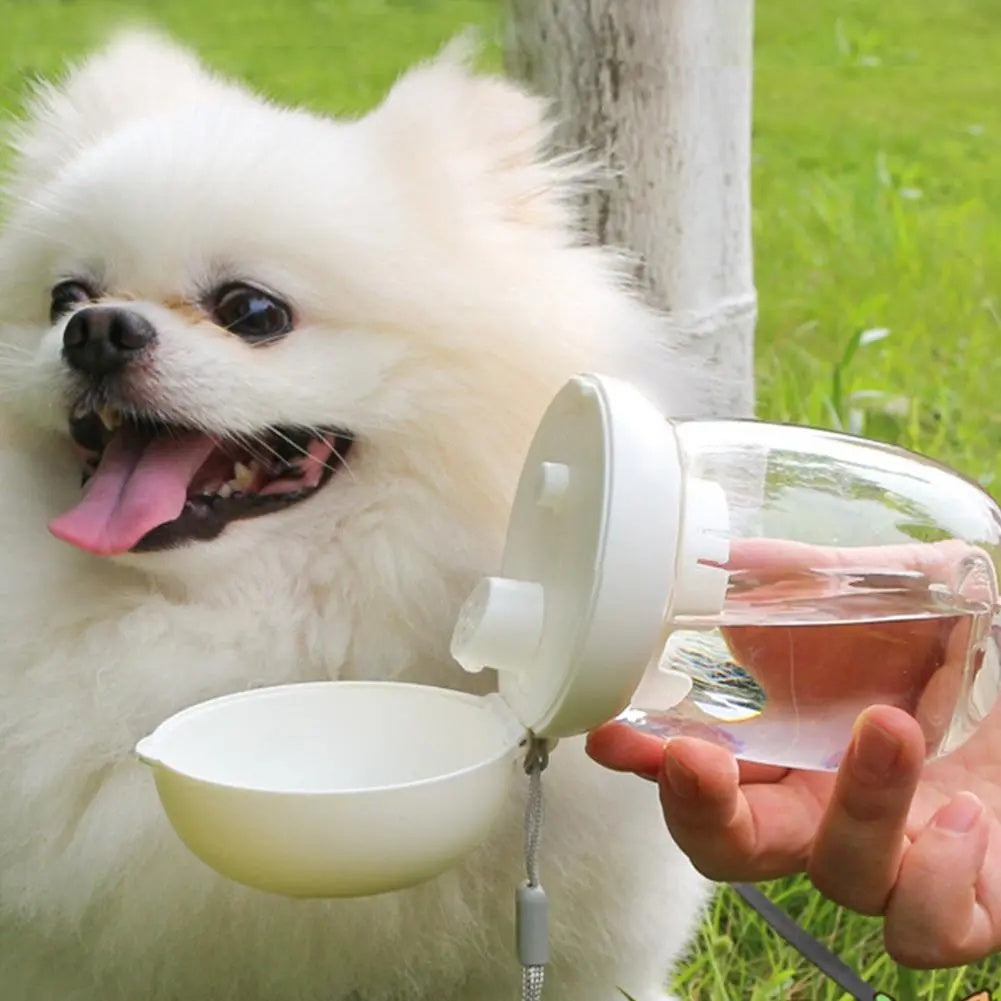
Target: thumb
pixel 943 910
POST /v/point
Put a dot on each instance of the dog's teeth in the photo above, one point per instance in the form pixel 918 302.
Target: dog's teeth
pixel 110 417
pixel 243 476
pixel 226 490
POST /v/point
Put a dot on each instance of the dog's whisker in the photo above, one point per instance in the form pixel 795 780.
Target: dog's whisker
pixel 250 441
pixel 16 349
pixel 346 466
pixel 21 367
pixel 318 433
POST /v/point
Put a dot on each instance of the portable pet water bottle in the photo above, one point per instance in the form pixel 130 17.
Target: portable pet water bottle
pixel 754 584
pixel 794 576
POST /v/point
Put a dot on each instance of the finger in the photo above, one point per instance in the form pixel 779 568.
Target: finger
pixel 731 831
pixel 934 710
pixel 938 560
pixel 621 748
pixel 946 907
pixel 861 840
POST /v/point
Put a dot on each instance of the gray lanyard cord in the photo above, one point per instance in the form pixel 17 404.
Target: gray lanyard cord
pixel 532 909
pixel 531 906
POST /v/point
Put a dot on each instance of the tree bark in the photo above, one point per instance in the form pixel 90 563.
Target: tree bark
pixel 659 92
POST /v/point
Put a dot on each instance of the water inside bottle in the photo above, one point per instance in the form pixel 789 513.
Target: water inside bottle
pixel 782 674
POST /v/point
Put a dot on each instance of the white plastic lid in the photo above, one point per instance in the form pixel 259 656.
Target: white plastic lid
pixel 588 574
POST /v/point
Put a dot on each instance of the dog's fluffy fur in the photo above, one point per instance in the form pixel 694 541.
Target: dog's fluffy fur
pixel 442 299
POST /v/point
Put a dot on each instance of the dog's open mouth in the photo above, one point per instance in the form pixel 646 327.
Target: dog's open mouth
pixel 150 485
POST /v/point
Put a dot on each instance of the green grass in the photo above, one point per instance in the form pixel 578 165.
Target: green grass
pixel 334 55
pixel 877 200
pixel 877 189
pixel 877 186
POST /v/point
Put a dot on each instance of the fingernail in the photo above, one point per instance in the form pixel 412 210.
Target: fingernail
pixel 681 780
pixel 876 752
pixel 960 815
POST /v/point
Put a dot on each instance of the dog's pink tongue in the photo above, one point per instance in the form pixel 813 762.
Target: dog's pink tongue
pixel 141 483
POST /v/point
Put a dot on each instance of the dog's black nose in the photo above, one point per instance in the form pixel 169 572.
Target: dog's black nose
pixel 99 340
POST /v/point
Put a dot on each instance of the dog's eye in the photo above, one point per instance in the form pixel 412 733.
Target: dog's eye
pixel 256 316
pixel 68 294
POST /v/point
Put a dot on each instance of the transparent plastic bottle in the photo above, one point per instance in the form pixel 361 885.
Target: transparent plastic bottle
pixel 855 573
pixel 754 584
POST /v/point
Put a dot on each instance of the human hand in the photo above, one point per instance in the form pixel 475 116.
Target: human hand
pixel 888 835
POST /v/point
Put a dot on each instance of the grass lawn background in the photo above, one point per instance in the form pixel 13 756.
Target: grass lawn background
pixel 877 188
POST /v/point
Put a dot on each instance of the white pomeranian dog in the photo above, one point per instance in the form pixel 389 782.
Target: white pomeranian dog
pixel 268 380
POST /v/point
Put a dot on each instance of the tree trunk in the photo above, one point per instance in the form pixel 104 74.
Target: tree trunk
pixel 660 92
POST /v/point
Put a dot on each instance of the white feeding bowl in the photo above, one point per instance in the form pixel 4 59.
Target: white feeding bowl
pixel 339 789
pixel 334 789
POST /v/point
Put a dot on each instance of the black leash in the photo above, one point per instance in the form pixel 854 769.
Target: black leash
pixel 804 943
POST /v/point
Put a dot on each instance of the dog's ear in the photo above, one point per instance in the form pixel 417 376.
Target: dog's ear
pixel 464 133
pixel 137 73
